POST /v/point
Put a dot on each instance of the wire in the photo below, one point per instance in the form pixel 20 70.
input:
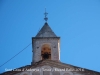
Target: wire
pixel 15 55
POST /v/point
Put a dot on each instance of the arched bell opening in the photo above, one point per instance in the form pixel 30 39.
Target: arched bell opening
pixel 46 52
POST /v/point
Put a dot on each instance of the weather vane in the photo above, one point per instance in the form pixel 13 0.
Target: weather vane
pixel 45 15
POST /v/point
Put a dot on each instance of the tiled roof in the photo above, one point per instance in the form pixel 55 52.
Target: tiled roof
pixel 53 64
pixel 46 31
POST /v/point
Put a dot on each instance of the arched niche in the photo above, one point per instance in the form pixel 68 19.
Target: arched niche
pixel 36 71
pixel 25 73
pixel 66 73
pixel 55 72
pixel 45 52
pixel 46 70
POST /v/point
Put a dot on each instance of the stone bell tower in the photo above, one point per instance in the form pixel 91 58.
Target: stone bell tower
pixel 46 45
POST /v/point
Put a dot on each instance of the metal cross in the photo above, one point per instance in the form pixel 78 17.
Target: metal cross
pixel 45 15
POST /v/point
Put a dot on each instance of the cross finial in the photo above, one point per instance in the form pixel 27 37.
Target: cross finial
pixel 45 15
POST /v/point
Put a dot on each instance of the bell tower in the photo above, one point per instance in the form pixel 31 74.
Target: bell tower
pixel 45 45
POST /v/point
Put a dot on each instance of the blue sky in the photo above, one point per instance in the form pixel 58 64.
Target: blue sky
pixel 77 22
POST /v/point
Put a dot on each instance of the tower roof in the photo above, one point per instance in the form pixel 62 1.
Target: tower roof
pixel 46 31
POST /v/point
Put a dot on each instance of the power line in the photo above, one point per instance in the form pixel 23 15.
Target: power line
pixel 15 55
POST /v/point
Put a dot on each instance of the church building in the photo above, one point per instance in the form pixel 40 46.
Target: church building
pixel 46 57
